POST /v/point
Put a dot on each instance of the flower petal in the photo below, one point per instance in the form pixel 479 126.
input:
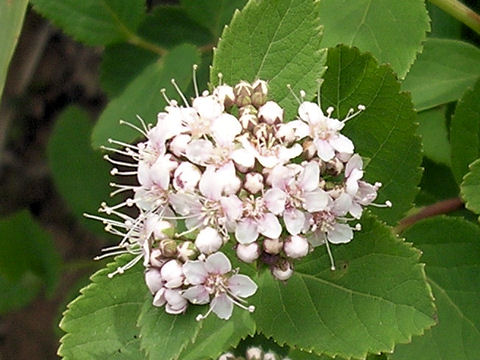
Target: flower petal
pixel 210 184
pixel 246 231
pixel 225 128
pixel 309 179
pixel 222 306
pixel 324 149
pixel 275 200
pixel 218 263
pixel 341 233
pixel 197 295
pixel 269 226
pixel 315 200
pixel 342 144
pixel 242 286
pixel 195 272
pixel 294 221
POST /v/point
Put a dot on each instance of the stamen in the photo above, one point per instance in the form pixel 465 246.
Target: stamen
pixel 202 317
pixel 146 128
pixel 303 94
pixel 195 87
pixel 121 163
pixel 184 99
pixel 388 204
pixel 163 92
pixel 330 110
pixel 135 127
pixel 220 78
pixel 332 262
pixel 122 269
pixel 121 143
pixel 115 171
pixel 289 87
pixel 121 152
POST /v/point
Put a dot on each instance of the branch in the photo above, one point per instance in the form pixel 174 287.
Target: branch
pixel 460 12
pixel 441 207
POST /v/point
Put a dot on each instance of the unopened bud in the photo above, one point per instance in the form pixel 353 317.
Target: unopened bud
pixel 153 279
pixel 334 167
pixel 248 121
pixel 272 246
pixel 225 94
pixel 163 229
pixel 253 182
pixel 208 240
pixel 309 149
pixel 186 176
pixel 248 252
pixel 179 144
pixel 172 274
pixel 186 251
pixel 254 353
pixel 176 303
pixel 156 258
pixel 270 356
pixel 243 93
pixel 259 93
pixel 282 271
pixel 295 246
pixel 227 356
pixel 168 247
pixel 271 113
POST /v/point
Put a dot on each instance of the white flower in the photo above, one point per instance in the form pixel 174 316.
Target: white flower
pixel 172 274
pixel 212 282
pixel 248 253
pixel 296 246
pixel 208 240
pixel 173 300
pixel 270 113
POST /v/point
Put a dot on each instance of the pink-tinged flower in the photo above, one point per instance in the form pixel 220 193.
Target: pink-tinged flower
pixel 270 113
pixel 172 274
pixel 173 300
pixel 295 189
pixel 153 279
pixel 296 247
pixel 323 130
pixel 256 220
pixel 208 240
pixel 248 253
pixel 282 270
pixel 212 282
pixel 186 177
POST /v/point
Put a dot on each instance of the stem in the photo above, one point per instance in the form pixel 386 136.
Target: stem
pixel 138 41
pixel 460 12
pixel 441 207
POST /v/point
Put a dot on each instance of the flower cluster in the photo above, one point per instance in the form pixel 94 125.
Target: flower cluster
pixel 253 353
pixel 229 168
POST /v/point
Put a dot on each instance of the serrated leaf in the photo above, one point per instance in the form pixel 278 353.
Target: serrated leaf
pixel 384 132
pixel 100 323
pixel 27 248
pixel 212 14
pixel 142 96
pixel 465 132
pixel 432 127
pixel 442 73
pixel 392 31
pixel 471 188
pixel 80 174
pixel 94 22
pixel 165 336
pixel 282 48
pixel 443 24
pixel 437 184
pixel 450 249
pixel 11 20
pixel 377 297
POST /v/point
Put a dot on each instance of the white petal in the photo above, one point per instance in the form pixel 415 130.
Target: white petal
pixel 355 162
pixel 232 207
pixel 242 286
pixel 195 272
pixel 324 149
pixel 315 200
pixel 222 306
pixel 210 184
pixel 342 144
pixel 246 231
pixel 317 238
pixel 310 112
pixel 208 107
pixel 342 205
pixel 208 240
pixel 309 179
pixel 269 226
pixel 159 298
pixel 218 263
pixel 143 174
pixel 186 177
pixel 199 151
pixel 286 154
pixel 294 221
pixel 301 128
pixel 179 144
pixel 275 200
pixel 176 303
pixel 268 161
pixel 341 233
pixel 197 295
pixel 227 179
pixel 185 204
pixel 243 158
pixel 356 210
pixel 225 128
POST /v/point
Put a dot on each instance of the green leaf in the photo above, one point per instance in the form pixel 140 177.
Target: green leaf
pixel 166 337
pixel 450 249
pixel 212 14
pixel 142 96
pixel 442 73
pixel 27 249
pixel 121 63
pixel 443 24
pixel 471 188
pixel 384 132
pixel 465 132
pixel 19 293
pixel 283 48
pixel 433 130
pixel 437 183
pixel 392 31
pixel 100 323
pixel 94 22
pixel 376 298
pixel 11 20
pixel 80 174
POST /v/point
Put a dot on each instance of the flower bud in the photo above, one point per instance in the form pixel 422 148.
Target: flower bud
pixel 282 271
pixel 176 303
pixel 186 251
pixel 225 94
pixel 168 247
pixel 295 246
pixel 156 258
pixel 253 182
pixel 270 113
pixel 259 93
pixel 163 229
pixel 254 353
pixel 248 121
pixel 270 356
pixel 208 240
pixel 272 246
pixel 186 177
pixel 243 93
pixel 334 167
pixel 248 252
pixel 153 279
pixel 227 356
pixel 172 274
pixel 309 149
pixel 178 145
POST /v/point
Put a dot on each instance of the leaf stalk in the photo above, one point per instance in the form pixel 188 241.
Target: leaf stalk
pixel 460 12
